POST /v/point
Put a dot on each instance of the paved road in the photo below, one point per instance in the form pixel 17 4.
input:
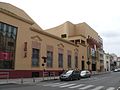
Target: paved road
pixel 109 81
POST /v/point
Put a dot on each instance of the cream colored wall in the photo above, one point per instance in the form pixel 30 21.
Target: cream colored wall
pixel 66 28
pixel 57 30
pixel 22 36
pixel 53 42
pixel 86 30
pixel 83 52
pixel 75 31
pixel 69 28
pixel 80 29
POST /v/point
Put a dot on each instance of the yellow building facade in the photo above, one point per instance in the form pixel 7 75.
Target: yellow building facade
pixel 83 34
pixel 26 50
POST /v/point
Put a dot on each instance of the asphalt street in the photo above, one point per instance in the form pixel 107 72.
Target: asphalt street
pixel 109 81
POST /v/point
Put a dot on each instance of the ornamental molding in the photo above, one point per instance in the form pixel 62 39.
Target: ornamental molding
pixel 60 45
pixel 36 37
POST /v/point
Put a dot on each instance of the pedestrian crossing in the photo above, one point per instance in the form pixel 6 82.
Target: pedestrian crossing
pixel 78 86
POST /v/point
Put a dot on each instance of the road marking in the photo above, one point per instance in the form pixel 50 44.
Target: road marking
pixel 111 88
pixel 51 84
pixel 58 84
pixel 67 85
pixel 86 87
pixel 77 86
pixel 98 88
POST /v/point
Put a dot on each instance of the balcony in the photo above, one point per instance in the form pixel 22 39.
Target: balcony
pixel 91 41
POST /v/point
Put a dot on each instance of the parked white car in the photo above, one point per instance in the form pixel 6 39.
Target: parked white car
pixel 85 74
pixel 117 70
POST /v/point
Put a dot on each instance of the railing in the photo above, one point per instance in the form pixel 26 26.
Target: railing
pixel 49 75
pixel 4 75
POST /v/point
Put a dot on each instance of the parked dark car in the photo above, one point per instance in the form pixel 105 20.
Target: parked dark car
pixel 70 75
pixel 85 74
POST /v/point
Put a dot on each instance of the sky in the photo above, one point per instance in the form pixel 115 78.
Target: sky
pixel 102 15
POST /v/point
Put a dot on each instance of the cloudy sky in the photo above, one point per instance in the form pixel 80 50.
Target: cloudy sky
pixel 102 15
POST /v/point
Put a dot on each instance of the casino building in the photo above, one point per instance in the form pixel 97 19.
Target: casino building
pixel 26 50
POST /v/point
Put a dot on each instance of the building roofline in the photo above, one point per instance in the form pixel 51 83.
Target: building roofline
pixel 15 16
pixel 52 36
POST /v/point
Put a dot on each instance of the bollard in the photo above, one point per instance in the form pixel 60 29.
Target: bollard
pixel 33 79
pixel 21 80
pixel 54 75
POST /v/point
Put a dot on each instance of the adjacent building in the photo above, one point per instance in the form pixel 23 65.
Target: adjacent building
pixel 26 50
pixel 118 62
pixel 113 61
pixel 107 62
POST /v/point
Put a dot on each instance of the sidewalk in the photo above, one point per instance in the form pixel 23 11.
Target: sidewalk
pixel 27 80
pixel 32 81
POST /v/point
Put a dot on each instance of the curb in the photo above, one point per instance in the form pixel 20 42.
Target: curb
pixel 25 81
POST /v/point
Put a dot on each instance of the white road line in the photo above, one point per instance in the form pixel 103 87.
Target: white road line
pixel 66 85
pixel 58 84
pixel 77 86
pixel 51 84
pixel 86 87
pixel 111 88
pixel 98 88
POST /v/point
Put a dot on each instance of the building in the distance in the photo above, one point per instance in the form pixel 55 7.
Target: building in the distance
pixel 107 62
pixel 26 50
pixel 118 62
pixel 113 61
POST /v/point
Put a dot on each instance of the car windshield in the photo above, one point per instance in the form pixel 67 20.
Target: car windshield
pixel 82 72
pixel 69 72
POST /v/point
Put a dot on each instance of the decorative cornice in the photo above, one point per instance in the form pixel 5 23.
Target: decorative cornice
pixel 60 45
pixel 76 50
pixel 15 16
pixel 50 35
pixel 33 37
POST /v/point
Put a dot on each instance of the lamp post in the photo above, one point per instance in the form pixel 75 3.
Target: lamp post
pixel 43 64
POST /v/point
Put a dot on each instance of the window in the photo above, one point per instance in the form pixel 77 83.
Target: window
pixel 72 41
pixel 101 61
pixel 35 57
pixel 69 61
pixel 60 60
pixel 83 66
pixel 63 36
pixel 77 41
pixel 106 57
pixel 101 55
pixel 49 58
pixel 76 61
pixel 7 46
pixel 83 42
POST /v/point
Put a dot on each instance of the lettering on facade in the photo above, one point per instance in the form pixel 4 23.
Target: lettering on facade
pixel 25 49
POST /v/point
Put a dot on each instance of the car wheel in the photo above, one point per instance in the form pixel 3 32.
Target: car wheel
pixel 61 79
pixel 79 78
pixel 71 79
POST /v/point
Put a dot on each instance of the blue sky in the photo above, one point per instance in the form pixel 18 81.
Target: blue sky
pixel 102 15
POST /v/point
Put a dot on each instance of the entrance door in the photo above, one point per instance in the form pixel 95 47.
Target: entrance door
pixel 83 65
pixel 93 67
